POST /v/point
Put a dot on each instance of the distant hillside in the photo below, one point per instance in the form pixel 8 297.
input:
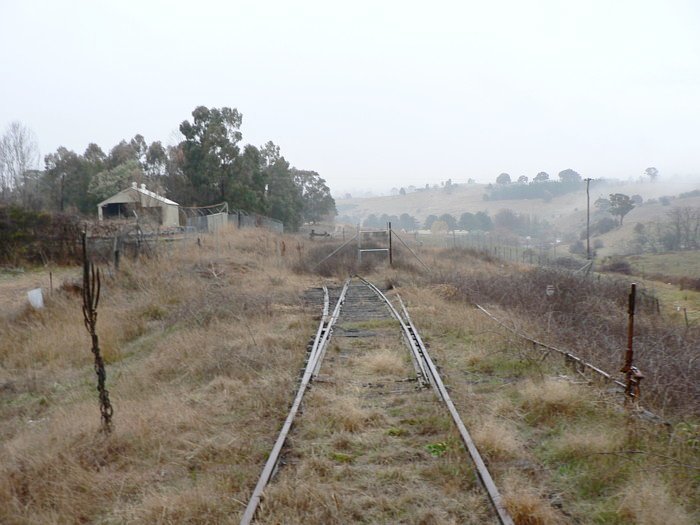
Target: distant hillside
pixel 645 214
pixel 568 211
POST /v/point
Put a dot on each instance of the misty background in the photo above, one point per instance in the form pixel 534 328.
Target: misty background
pixel 371 95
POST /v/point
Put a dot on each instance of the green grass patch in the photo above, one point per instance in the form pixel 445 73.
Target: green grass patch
pixel 674 264
pixel 504 364
pixel 342 457
pixel 436 449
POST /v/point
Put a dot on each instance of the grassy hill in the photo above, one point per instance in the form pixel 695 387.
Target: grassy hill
pixel 470 197
pixel 566 212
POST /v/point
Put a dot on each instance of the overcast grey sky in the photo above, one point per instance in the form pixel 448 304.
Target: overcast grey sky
pixel 371 94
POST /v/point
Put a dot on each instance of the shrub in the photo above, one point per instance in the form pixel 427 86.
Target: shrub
pixel 588 317
pixel 35 237
pixel 604 225
pixel 617 266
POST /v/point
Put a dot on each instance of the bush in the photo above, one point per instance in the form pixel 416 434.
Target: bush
pixel 35 237
pixel 577 248
pixel 617 266
pixel 588 317
pixel 694 193
pixel 604 225
pixel 689 283
pixel 569 263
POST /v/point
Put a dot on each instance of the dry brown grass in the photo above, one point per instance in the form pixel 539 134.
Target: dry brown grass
pixel 526 503
pixel 581 442
pixel 553 398
pixel 202 345
pixel 343 413
pixel 497 439
pixel 647 501
pixel 385 362
pixel 587 316
pixel 569 442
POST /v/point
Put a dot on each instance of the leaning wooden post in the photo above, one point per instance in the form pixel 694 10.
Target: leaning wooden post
pixel 91 298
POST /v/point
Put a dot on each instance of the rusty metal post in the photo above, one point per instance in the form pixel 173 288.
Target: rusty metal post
pixel 629 355
pixel 391 253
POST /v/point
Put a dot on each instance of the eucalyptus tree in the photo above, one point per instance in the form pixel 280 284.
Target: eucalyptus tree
pixel 209 151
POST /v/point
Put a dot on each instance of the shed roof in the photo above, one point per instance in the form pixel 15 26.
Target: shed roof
pixel 134 194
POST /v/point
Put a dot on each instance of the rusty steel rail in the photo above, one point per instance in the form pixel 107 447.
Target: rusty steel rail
pixel 315 356
pixel 567 355
pixel 435 380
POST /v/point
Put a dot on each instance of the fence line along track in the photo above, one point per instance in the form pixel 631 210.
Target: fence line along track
pixel 426 372
pixel 569 356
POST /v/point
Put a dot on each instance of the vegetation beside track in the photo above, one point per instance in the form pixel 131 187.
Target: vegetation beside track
pixel 204 347
pixel 561 445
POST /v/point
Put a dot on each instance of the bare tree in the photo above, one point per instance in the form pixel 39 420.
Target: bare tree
pixel 685 227
pixel 19 155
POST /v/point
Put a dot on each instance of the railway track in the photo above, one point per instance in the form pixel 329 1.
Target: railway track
pixel 366 367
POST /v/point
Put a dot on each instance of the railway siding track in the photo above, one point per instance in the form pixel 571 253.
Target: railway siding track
pixel 374 442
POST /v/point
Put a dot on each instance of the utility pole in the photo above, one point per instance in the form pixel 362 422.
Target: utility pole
pixel 588 219
pixel 391 258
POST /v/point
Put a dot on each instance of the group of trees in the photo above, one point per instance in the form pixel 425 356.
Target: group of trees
pixel 404 222
pixel 679 231
pixel 540 187
pixel 467 221
pixel 505 221
pixel 210 165
pixel 566 176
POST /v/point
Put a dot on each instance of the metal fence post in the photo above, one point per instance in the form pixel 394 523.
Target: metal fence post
pixel 632 375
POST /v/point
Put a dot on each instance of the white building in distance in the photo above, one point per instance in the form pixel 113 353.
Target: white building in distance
pixel 139 200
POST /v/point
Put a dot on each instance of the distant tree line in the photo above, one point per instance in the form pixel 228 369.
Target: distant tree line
pixel 540 187
pixel 210 165
pixel 506 221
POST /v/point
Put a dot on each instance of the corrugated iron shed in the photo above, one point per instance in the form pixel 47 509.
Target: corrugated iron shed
pixel 139 197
